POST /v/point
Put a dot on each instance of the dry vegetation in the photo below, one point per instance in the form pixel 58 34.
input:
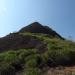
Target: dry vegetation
pixel 61 71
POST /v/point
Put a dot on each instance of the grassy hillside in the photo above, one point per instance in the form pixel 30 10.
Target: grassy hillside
pixel 33 57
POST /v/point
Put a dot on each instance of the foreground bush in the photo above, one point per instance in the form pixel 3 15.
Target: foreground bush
pixel 32 71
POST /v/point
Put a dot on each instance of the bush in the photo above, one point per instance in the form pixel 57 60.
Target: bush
pixel 33 60
pixel 32 71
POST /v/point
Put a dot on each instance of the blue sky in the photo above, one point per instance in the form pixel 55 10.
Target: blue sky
pixel 58 14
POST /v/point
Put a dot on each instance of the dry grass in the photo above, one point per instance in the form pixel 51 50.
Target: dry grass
pixel 61 71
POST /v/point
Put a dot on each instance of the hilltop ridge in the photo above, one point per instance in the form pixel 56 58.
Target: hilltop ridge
pixel 36 27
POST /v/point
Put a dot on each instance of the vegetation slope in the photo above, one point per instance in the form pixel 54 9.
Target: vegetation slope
pixel 26 53
pixel 35 60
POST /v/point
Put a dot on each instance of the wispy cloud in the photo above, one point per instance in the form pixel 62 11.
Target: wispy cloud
pixel 3 8
pixel 3 11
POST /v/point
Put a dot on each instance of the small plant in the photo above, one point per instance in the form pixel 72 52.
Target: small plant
pixel 32 71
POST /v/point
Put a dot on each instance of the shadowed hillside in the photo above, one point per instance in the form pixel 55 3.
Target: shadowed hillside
pixel 17 40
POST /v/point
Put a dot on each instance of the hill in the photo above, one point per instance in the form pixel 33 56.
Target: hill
pixel 30 52
pixel 18 41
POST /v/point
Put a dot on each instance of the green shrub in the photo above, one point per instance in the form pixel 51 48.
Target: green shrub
pixel 33 60
pixel 32 71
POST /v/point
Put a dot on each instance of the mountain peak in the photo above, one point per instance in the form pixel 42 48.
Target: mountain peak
pixel 36 23
pixel 36 27
pixel 33 27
